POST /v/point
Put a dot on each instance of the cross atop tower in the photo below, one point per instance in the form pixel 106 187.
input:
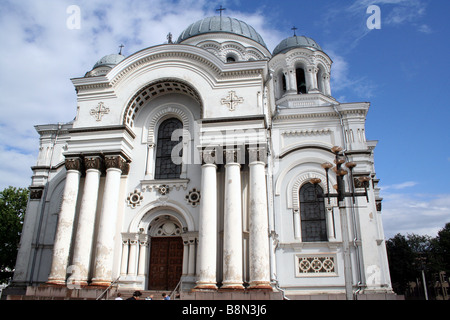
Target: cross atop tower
pixel 220 10
pixel 121 47
pixel 294 28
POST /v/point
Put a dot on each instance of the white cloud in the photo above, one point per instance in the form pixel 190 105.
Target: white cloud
pixel 342 80
pixel 415 213
pixel 400 186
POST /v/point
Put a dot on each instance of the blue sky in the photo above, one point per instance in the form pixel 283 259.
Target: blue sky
pixel 402 69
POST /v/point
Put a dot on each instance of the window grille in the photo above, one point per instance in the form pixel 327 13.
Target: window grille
pixel 312 213
pixel 165 167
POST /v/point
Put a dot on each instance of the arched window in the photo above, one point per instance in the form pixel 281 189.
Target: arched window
pixel 301 80
pixel 166 167
pixel 312 213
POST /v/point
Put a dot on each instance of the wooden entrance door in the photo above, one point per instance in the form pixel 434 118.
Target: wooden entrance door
pixel 166 263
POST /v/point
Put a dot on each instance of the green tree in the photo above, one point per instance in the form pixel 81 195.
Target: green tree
pixel 401 262
pixel 442 249
pixel 13 205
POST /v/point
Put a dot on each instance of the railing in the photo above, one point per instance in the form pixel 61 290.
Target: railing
pixel 107 289
pixel 174 290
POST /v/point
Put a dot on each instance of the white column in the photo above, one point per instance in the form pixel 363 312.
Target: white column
pixel 63 238
pixel 143 249
pixel 311 79
pixel 291 85
pixel 150 154
pixel 86 221
pixel 297 225
pixel 326 84
pixel 108 217
pixel 207 245
pixel 125 251
pixel 132 270
pixel 185 257
pixel 191 267
pixel 232 238
pixel 259 222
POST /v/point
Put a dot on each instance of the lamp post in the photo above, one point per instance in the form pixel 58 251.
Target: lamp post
pixel 341 195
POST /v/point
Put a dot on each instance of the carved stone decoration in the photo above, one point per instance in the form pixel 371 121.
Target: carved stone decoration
pixel 193 197
pixel 94 162
pixel 316 265
pixel 36 193
pixel 257 154
pixel 134 199
pixel 167 229
pixel 117 162
pixel 209 156
pixel 233 155
pixel 74 164
pixel 164 189
pixel 232 100
pixel 99 111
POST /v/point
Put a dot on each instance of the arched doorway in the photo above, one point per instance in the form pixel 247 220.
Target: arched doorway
pixel 166 253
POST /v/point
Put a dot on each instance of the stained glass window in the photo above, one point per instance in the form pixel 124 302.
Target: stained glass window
pixel 166 167
pixel 312 213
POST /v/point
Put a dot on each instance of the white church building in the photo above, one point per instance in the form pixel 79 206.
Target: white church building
pixel 207 163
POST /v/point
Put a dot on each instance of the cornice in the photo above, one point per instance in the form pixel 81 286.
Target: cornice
pixel 188 54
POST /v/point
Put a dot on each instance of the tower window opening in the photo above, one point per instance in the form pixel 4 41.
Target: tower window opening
pixel 301 81
pixel 231 58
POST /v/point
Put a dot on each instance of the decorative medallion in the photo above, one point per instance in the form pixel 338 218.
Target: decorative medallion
pixel 164 189
pixel 193 197
pixel 134 199
pixel 232 100
pixel 100 111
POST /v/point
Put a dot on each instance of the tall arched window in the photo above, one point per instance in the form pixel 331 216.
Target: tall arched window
pixel 312 213
pixel 166 167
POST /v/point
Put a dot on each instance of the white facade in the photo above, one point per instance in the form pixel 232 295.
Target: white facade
pixel 252 131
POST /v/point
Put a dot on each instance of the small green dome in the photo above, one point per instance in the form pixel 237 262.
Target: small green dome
pixel 221 24
pixel 110 60
pixel 296 42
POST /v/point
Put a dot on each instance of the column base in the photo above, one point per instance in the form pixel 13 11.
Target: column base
pixel 101 283
pixel 232 287
pixel 56 282
pixel 260 285
pixel 204 287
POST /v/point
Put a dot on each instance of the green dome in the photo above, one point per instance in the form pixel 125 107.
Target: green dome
pixel 221 24
pixel 296 42
pixel 110 60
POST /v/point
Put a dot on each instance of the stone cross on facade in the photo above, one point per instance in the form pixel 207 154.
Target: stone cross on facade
pixel 100 111
pixel 232 101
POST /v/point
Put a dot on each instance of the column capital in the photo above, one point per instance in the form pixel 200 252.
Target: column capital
pixel 233 155
pixel 74 164
pixel 93 162
pixel 257 154
pixel 115 161
pixel 209 157
pixel 36 192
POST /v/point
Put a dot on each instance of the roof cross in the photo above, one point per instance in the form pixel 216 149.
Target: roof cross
pixel 121 47
pixel 220 10
pixel 294 28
